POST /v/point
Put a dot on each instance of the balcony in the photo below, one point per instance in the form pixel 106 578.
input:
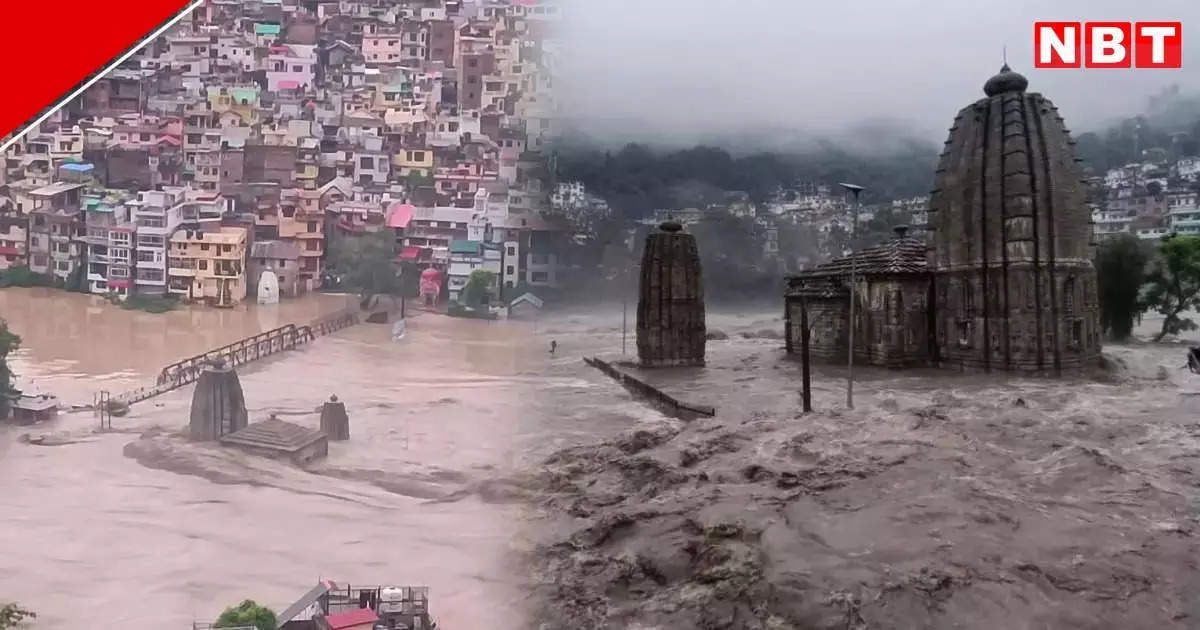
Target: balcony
pixel 182 268
pixel 227 271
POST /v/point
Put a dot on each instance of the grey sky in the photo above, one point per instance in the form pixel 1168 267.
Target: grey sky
pixel 694 70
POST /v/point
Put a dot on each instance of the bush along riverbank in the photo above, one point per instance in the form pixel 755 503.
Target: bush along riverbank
pixel 144 303
pixel 23 277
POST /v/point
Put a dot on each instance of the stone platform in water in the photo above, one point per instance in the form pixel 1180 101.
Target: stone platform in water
pixel 281 440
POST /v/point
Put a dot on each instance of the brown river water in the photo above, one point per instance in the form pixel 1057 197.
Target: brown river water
pixel 90 537
pixel 132 529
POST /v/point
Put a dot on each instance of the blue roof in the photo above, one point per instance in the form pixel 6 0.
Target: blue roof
pixel 79 167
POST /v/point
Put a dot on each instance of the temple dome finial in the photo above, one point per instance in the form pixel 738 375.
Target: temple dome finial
pixel 1005 81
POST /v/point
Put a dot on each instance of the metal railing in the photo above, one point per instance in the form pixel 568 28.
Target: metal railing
pixel 241 352
pixel 237 353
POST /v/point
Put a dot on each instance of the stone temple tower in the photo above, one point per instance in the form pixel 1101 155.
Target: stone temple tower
pixel 1011 239
pixel 218 406
pixel 670 315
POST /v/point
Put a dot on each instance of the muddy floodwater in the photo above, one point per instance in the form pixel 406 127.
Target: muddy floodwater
pixel 525 487
pixel 942 500
pixel 125 530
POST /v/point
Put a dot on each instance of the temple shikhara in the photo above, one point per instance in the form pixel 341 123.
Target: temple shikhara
pixel 1003 278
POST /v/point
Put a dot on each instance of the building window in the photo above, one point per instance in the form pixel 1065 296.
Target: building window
pixel 510 270
pixel 1069 295
pixel 1077 333
pixel 512 251
pixel 202 265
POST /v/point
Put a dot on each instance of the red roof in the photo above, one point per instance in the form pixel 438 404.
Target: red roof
pixel 288 84
pixel 120 284
pixel 410 253
pixel 9 251
pixel 400 214
pixel 351 618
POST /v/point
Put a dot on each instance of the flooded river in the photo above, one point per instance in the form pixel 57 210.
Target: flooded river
pixel 1057 503
pixel 93 538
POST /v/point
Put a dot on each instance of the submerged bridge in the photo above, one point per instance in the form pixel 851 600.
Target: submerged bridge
pixel 241 352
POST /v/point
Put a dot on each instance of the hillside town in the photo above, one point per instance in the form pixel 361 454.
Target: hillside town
pixel 254 134
pixel 1149 199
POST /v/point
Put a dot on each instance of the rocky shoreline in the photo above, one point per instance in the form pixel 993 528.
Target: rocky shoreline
pixel 979 504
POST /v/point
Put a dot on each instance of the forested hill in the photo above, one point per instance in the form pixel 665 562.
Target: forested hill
pixel 637 179
pixel 1169 128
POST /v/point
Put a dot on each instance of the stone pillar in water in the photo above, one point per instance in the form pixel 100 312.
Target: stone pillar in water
pixel 218 406
pixel 670 315
pixel 334 421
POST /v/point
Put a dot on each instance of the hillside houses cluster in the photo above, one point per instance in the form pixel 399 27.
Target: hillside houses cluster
pixel 256 133
pixel 1149 199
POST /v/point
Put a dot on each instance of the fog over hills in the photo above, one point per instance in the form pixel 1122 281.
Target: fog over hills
pixel 871 75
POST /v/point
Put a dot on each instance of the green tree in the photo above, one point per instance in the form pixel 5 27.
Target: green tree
pixel 247 613
pixel 478 285
pixel 365 264
pixel 1173 284
pixel 415 180
pixel 8 343
pixel 12 616
pixel 1121 271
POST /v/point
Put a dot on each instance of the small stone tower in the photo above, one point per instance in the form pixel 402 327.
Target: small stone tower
pixel 334 420
pixel 1012 242
pixel 670 315
pixel 218 406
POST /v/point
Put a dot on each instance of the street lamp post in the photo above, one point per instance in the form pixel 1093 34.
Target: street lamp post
pixel 624 305
pixel 856 190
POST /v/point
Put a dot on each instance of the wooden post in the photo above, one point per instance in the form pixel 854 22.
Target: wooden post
pixel 806 392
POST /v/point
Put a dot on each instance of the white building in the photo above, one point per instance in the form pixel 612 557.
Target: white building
pixel 157 214
pixel 1111 222
pixel 290 67
pixel 467 257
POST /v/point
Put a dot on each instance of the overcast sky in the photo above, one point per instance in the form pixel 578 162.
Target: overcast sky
pixel 690 70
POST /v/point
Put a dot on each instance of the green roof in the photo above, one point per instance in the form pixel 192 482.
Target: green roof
pixel 245 94
pixel 266 29
pixel 464 247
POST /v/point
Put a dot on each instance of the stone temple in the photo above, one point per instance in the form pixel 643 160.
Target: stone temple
pixel 1003 279
pixel 670 316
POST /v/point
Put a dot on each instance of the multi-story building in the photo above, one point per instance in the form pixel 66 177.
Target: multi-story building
pixel 208 266
pixel 14 229
pixel 290 67
pixel 156 215
pixel 302 222
pixel 110 241
pixel 467 257
pixel 56 230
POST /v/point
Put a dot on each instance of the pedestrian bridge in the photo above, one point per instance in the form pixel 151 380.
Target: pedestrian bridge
pixel 241 352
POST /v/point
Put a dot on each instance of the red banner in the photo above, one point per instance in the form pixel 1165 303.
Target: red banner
pixel 48 49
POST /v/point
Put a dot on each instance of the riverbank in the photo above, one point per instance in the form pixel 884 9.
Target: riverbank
pixel 941 501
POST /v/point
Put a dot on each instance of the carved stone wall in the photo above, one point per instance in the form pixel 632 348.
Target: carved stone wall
pixel 1011 239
